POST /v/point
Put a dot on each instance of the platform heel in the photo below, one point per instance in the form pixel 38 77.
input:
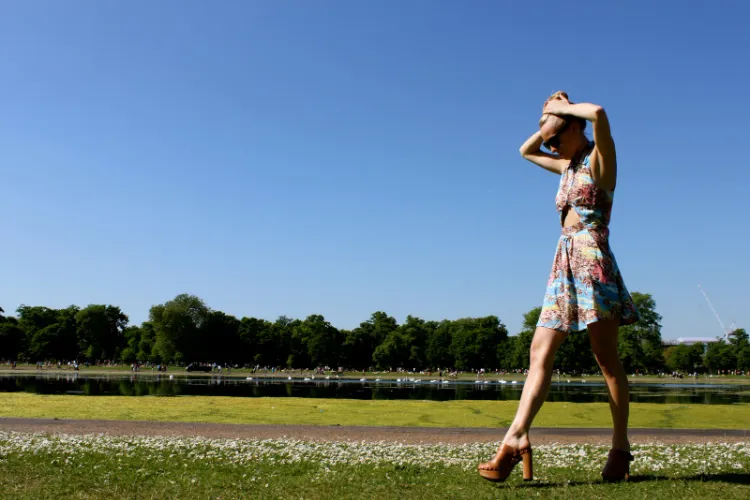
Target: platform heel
pixel 617 467
pixel 502 464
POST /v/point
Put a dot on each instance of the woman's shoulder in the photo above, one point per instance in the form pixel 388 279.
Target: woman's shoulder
pixel 583 159
pixel 586 156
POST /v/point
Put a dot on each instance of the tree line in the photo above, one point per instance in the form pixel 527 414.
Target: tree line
pixel 185 329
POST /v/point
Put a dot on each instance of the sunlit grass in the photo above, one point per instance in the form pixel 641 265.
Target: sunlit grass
pixel 269 410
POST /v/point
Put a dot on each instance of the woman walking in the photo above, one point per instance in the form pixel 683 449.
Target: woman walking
pixel 585 290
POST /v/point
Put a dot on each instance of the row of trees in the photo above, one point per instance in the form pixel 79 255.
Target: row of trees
pixel 184 330
pixel 730 356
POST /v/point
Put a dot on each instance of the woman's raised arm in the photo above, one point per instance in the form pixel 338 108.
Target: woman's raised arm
pixel 531 150
pixel 604 157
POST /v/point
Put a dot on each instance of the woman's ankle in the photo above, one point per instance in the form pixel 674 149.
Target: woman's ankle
pixel 621 443
pixel 517 438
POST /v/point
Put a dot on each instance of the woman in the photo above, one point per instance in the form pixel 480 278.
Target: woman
pixel 585 289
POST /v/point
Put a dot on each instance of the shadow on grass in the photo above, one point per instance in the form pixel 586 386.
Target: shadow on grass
pixel 729 478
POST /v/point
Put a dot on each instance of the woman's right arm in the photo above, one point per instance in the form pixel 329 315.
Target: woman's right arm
pixel 531 150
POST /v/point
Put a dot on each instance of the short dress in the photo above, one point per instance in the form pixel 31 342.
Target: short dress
pixel 585 284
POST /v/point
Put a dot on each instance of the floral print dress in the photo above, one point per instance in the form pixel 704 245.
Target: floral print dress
pixel 585 284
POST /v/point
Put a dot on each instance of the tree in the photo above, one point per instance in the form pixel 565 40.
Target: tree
pixel 360 343
pixel 405 347
pixel 506 353
pixel 575 355
pixel 315 342
pixel 147 344
pixel 184 329
pixel 219 335
pixel 100 331
pixel 739 338
pixel 35 318
pixel 640 344
pixel 475 340
pixel 393 352
pixel 12 339
pixel 521 344
pixel 132 335
pixel 416 333
pixel 720 356
pixel 261 344
pixel 438 346
pixel 177 324
pixel 50 333
pixel 321 340
pixel 685 358
pixel 741 344
pixel 286 343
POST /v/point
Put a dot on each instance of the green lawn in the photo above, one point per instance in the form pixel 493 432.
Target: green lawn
pixel 93 467
pixel 463 413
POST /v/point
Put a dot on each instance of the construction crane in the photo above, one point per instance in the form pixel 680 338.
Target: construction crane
pixel 726 332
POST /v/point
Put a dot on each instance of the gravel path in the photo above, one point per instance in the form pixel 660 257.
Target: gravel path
pixel 415 435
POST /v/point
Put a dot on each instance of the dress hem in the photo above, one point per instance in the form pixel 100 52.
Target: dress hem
pixel 558 326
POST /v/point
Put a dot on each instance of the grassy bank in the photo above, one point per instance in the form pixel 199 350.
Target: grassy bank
pixel 363 412
pixel 34 467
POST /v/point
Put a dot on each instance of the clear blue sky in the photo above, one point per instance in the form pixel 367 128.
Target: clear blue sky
pixel 340 158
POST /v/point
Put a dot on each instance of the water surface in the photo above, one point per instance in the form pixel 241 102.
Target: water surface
pixel 182 385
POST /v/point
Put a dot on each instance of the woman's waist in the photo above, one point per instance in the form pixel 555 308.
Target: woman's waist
pixel 599 229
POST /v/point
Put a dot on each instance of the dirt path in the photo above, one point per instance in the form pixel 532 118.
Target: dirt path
pixel 453 435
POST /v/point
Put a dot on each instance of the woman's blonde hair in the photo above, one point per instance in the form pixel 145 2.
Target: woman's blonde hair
pixel 560 121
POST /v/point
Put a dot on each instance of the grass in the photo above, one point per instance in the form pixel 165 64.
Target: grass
pixel 463 413
pixel 39 467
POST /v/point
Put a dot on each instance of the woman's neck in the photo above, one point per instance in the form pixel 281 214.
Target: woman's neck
pixel 581 149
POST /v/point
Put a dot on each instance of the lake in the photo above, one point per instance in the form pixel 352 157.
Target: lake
pixel 185 385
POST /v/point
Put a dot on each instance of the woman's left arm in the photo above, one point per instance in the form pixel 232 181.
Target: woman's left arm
pixel 604 157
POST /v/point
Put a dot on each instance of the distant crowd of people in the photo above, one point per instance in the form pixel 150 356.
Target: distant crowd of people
pixel 441 373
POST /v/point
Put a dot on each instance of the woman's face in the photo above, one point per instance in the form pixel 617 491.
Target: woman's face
pixel 557 135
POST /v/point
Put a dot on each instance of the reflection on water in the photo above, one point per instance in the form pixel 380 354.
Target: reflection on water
pixel 180 385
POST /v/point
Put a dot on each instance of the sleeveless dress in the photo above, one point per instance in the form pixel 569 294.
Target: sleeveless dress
pixel 585 284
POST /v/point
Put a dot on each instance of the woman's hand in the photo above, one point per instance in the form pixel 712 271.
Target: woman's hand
pixel 604 158
pixel 557 107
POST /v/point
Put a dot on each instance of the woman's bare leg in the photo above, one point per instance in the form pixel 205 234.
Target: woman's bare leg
pixel 535 389
pixel 603 336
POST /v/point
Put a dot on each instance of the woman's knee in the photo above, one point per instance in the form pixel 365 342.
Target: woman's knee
pixel 544 345
pixel 607 357
pixel 603 336
pixel 536 353
pixel 609 363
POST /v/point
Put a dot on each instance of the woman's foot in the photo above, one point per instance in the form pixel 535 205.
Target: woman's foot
pixel 617 467
pixel 512 450
pixel 516 440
